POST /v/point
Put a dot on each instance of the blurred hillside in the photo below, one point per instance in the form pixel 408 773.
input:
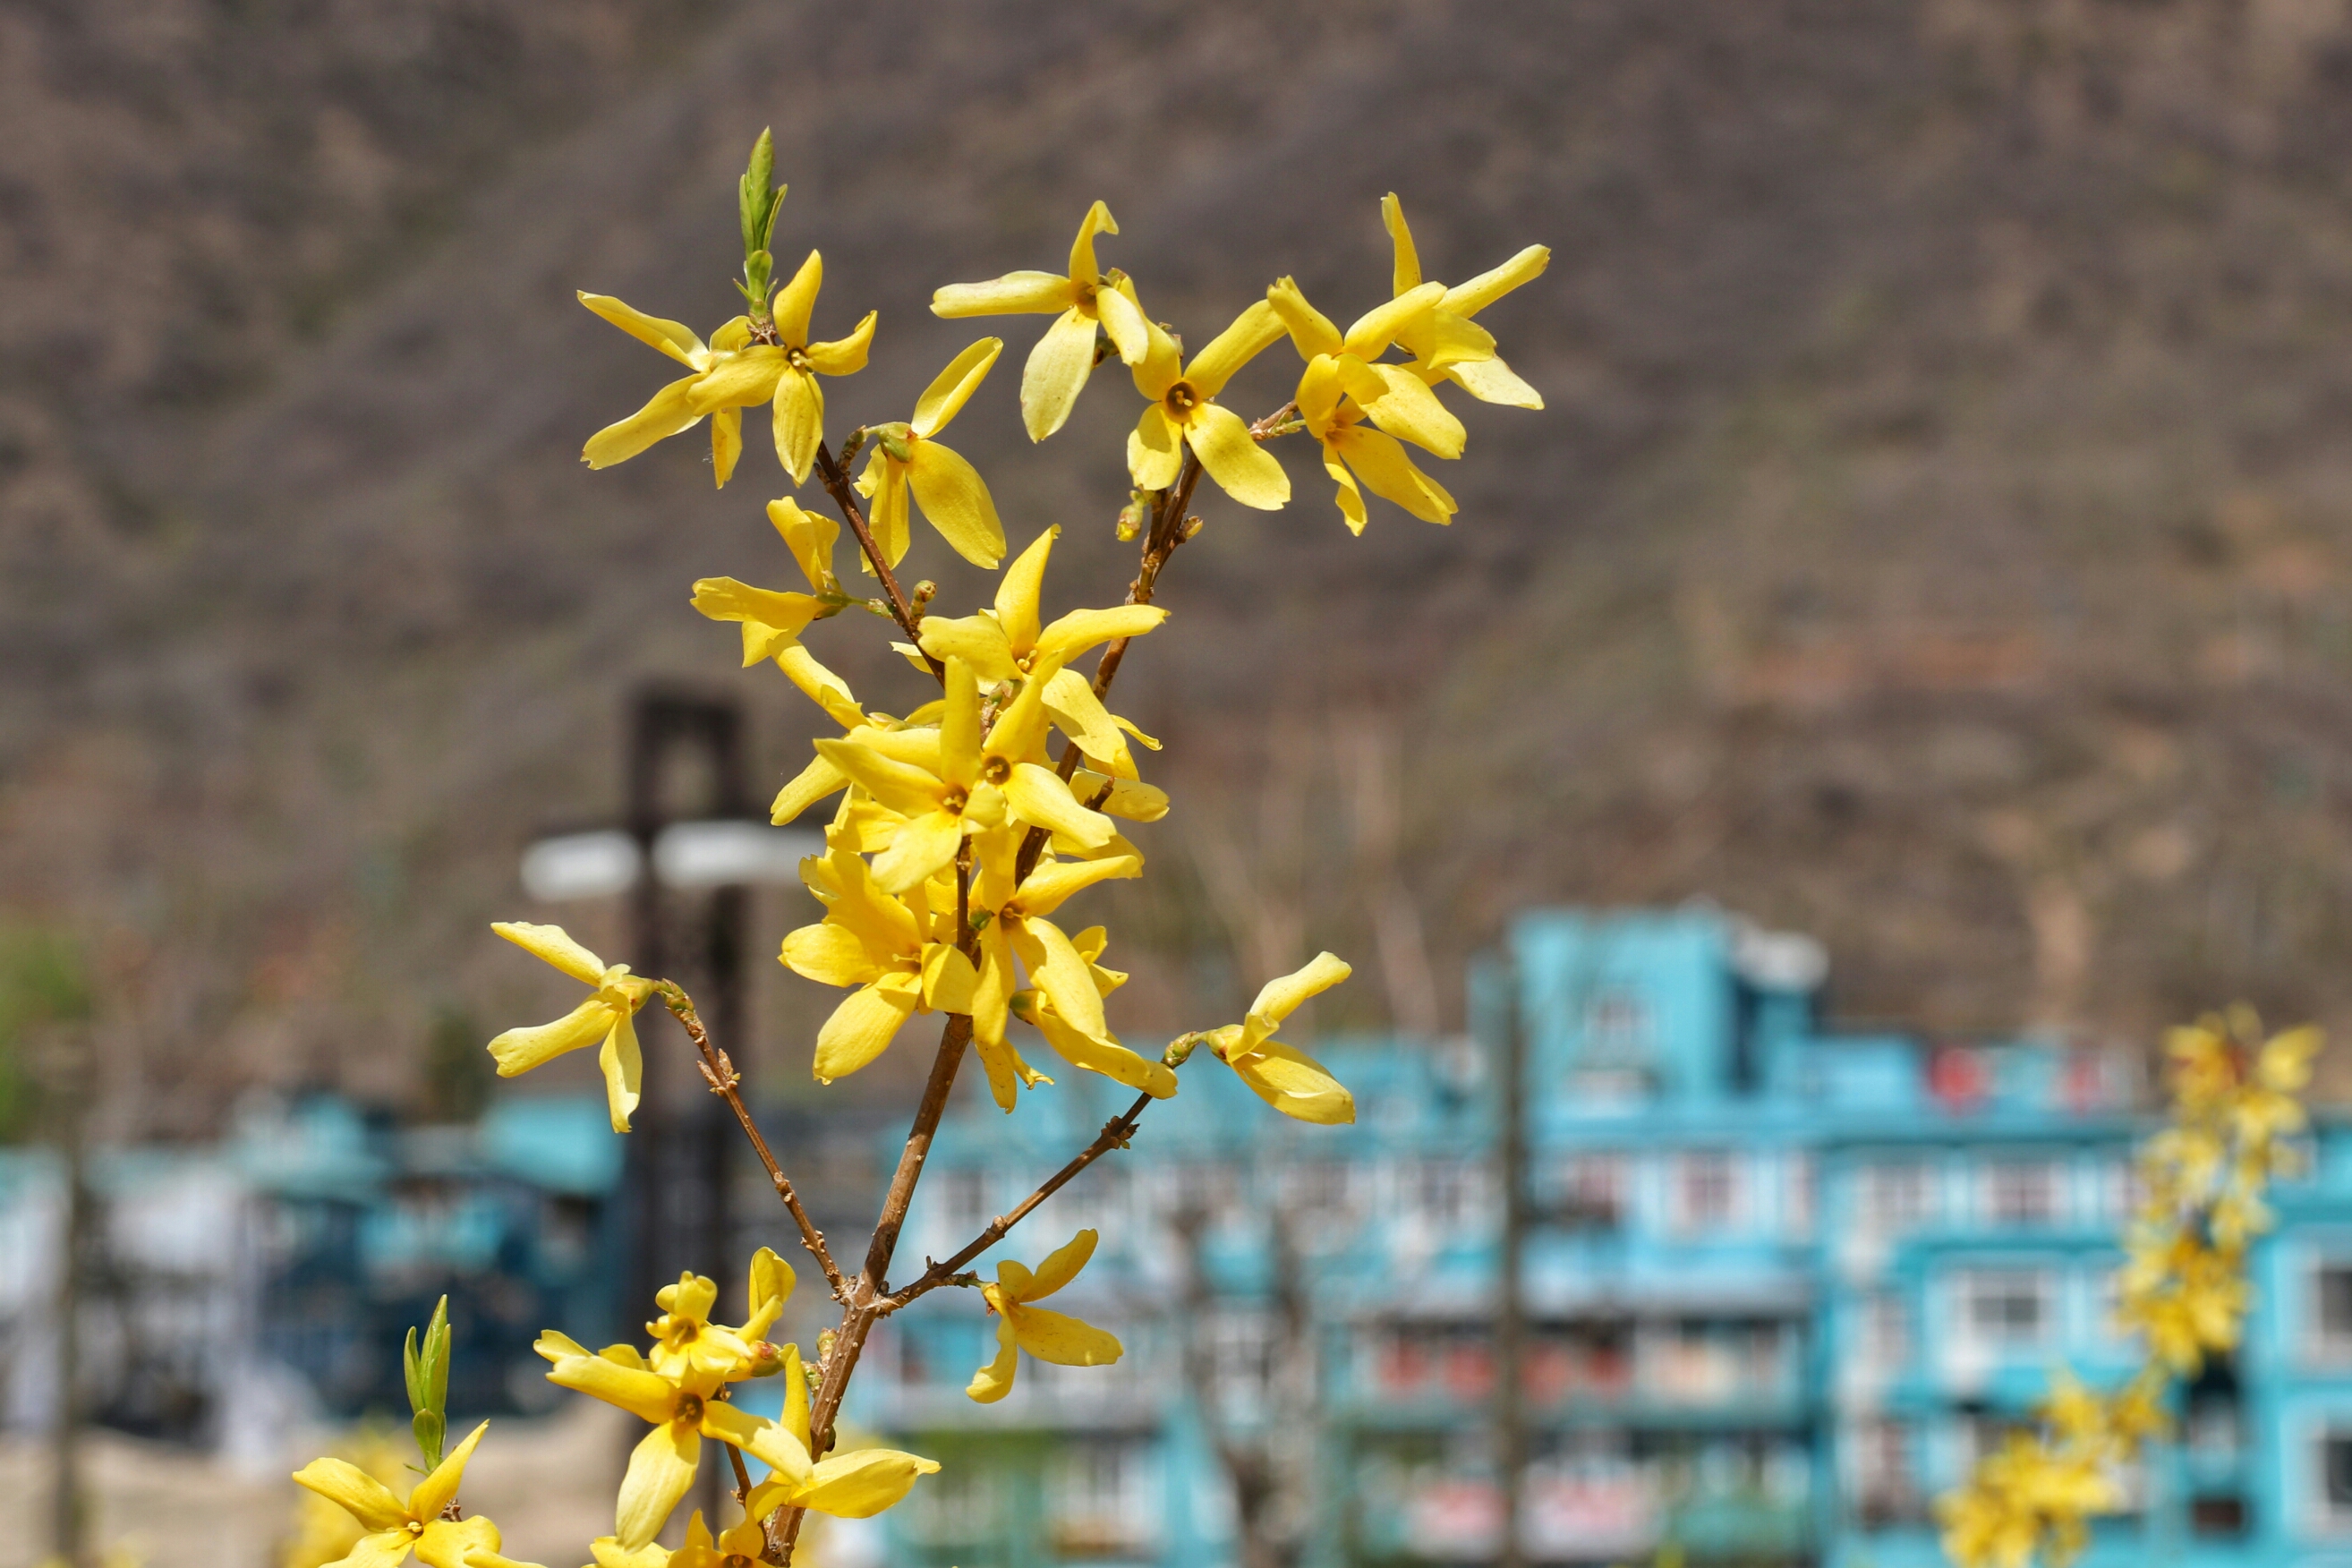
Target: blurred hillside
pixel 1937 539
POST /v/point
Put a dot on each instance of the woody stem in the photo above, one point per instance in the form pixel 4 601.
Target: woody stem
pixel 837 484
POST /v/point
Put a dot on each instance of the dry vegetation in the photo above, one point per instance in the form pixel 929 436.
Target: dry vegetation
pixel 1939 538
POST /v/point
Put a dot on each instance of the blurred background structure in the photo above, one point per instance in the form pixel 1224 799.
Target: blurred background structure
pixel 1939 540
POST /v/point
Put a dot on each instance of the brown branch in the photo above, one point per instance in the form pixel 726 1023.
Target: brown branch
pixel 720 1073
pixel 837 484
pixel 1113 1135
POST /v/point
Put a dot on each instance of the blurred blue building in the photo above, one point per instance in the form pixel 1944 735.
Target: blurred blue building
pixel 1780 1286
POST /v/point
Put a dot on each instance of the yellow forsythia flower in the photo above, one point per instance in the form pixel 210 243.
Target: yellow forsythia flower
pixel 1057 368
pixel 1444 345
pixel 609 1017
pixel 783 373
pixel 879 943
pixel 1282 1076
pixel 1049 1336
pixel 908 456
pixel 1183 412
pixel 396 1525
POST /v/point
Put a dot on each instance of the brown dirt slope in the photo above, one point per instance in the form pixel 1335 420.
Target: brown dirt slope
pixel 1937 538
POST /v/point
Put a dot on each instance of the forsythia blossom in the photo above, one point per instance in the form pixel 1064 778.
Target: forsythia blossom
pixel 2183 1289
pixel 1278 1072
pixel 609 1017
pixel 963 829
pixel 1058 365
pixel 395 1526
pixel 1049 1336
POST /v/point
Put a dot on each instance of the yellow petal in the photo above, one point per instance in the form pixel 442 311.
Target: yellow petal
pixel 1123 322
pixel 887 515
pixel 1469 298
pixel 926 845
pixel 1128 799
pixel 952 386
pixel 460 1544
pixel 1020 731
pixel 821 686
pixel 672 338
pixel 1046 888
pixel 1389 473
pixel 670 411
pixel 1282 996
pixel 1492 381
pixel 810 785
pixel 905 789
pixel 738 380
pixel 1102 1054
pixel 661 1470
pixel 1083 267
pixel 994 1381
pixel 1073 634
pixel 725 599
pixel 758 1436
pixel 1039 797
pixel 1159 368
pixel 860 1029
pixel 844 356
pixel 1155 450
pixel 1297 1085
pixel 1351 499
pixel 553 944
pixel 1014 294
pixel 726 445
pixel 797 1397
pixel 956 500
pixel 1318 393
pixel 796 299
pixel 1312 331
pixel 356 1492
pixel 380 1550
pixel 1061 1266
pixel 608 1554
pixel 1408 258
pixel 1243 469
pixel 959 726
pixel 1061 973
pixel 1406 407
pixel 1254 331
pixel 1002 1065
pixel 948 979
pixel 1056 373
pixel 766 1287
pixel 978 640
pixel 1018 591
pixel 437 1490
pixel 829 954
pixel 798 422
pixel 624 1069
pixel 1377 327
pixel 886 926
pixel 809 535
pixel 1063 1340
pixel 991 998
pixel 861 1484
pixel 519 1050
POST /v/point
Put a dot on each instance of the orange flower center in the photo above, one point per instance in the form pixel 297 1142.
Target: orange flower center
pixel 997 771
pixel 689 1407
pixel 1181 399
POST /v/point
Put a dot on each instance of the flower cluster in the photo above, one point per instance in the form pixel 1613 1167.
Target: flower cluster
pixel 2236 1106
pixel 962 830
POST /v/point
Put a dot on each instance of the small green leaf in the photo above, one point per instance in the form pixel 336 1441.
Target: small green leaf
pixel 753 204
pixel 424 1367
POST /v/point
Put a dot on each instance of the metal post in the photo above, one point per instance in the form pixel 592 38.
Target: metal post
pixel 1510 1314
pixel 682 1155
pixel 68 1508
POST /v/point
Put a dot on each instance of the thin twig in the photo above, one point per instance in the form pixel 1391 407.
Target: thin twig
pixel 1113 1135
pixel 837 484
pixel 720 1073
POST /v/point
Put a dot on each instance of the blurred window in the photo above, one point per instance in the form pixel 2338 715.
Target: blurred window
pixel 2332 1309
pixel 1706 1190
pixel 1102 1499
pixel 1897 1196
pixel 2336 1475
pixel 1885 1332
pixel 1594 1187
pixel 2008 1309
pixel 2022 1192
